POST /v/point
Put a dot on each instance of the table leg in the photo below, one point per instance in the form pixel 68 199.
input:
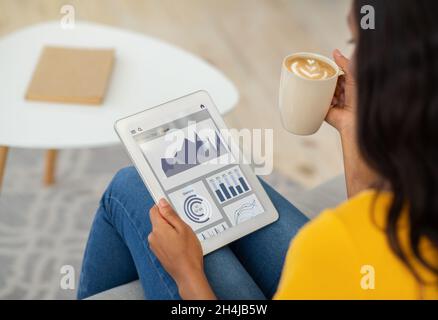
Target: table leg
pixel 49 175
pixel 3 157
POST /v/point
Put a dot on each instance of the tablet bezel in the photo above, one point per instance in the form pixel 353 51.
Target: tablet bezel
pixel 155 115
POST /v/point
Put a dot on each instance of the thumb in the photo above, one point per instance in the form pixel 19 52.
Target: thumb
pixel 169 214
pixel 334 117
pixel 340 59
pixel 344 63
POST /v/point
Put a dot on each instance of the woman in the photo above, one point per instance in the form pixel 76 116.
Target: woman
pixel 381 243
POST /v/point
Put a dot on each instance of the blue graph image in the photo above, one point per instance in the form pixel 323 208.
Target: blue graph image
pixel 228 184
pixel 192 154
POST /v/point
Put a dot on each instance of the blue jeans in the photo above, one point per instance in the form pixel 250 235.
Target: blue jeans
pixel 117 251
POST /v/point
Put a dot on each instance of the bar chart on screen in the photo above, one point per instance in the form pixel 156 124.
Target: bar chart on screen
pixel 228 184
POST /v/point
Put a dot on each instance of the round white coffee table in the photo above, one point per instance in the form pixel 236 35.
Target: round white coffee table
pixel 147 72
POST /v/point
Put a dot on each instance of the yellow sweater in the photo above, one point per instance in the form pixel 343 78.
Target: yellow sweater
pixel 344 254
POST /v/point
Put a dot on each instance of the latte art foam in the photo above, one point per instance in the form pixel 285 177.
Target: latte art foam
pixel 311 68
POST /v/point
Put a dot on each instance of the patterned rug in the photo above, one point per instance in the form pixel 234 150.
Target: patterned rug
pixel 44 228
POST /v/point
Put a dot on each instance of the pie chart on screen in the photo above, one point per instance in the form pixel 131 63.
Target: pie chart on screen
pixel 197 209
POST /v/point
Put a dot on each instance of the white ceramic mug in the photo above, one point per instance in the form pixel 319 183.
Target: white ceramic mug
pixel 304 103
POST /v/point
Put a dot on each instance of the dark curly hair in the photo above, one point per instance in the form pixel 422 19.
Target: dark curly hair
pixel 397 118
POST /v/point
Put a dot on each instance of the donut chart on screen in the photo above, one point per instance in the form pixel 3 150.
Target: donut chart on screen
pixel 197 209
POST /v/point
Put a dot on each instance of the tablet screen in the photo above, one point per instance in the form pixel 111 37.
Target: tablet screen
pixel 202 179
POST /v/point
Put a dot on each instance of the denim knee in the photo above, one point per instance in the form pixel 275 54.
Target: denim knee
pixel 126 187
pixel 123 178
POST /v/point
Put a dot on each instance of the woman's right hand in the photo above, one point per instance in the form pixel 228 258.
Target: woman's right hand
pixel 342 112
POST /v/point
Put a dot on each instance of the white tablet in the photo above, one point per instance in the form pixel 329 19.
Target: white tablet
pixel 184 153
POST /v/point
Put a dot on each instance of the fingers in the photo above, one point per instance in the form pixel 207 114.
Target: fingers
pixel 169 214
pixel 154 244
pixel 156 218
pixel 160 230
pixel 334 116
pixel 338 97
pixel 160 227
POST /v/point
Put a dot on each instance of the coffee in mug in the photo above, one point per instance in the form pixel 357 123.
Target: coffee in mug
pixel 310 68
pixel 307 85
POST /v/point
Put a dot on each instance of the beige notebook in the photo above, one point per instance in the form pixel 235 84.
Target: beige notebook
pixel 71 75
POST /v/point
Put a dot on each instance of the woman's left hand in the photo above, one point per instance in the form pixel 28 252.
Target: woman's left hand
pixel 176 246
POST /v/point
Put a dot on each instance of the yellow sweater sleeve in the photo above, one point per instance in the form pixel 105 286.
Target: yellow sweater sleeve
pixel 321 263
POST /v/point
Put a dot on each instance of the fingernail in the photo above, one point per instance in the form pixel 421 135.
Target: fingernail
pixel 163 203
pixel 338 53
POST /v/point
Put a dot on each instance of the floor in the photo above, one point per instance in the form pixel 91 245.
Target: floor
pixel 247 39
pixel 43 229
